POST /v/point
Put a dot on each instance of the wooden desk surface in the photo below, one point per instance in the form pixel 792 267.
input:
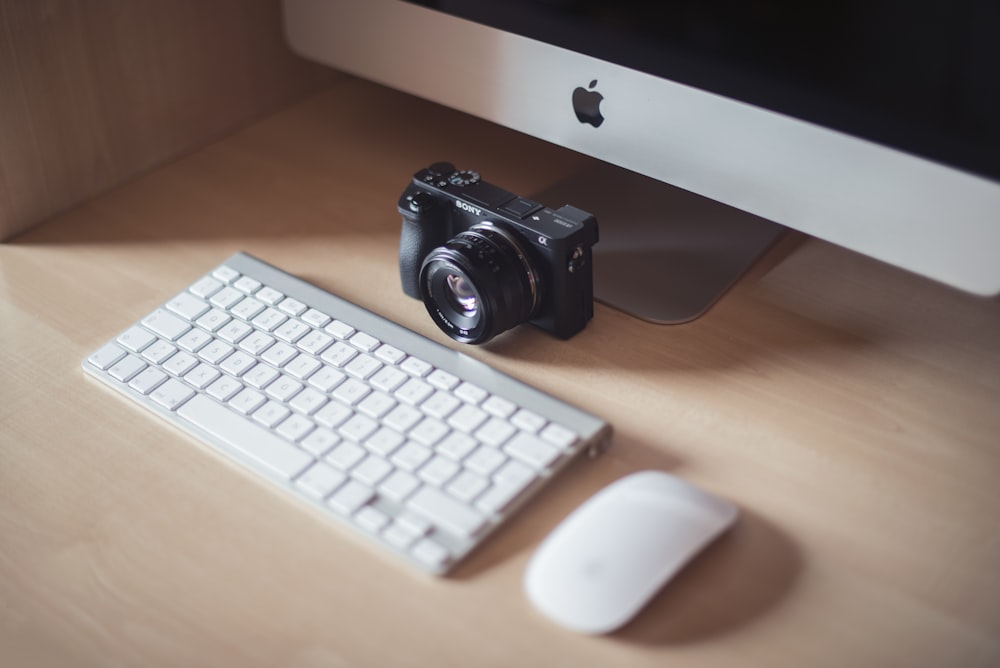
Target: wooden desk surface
pixel 852 410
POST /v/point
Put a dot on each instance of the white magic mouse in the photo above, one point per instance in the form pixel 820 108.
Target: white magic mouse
pixel 611 555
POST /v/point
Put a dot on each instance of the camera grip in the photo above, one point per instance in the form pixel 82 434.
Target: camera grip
pixel 414 245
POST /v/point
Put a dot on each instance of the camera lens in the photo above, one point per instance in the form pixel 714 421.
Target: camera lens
pixel 479 284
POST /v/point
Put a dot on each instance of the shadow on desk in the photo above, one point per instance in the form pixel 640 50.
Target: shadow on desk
pixel 735 581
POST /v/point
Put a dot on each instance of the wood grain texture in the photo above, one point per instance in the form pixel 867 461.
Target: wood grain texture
pixel 849 408
pixel 94 93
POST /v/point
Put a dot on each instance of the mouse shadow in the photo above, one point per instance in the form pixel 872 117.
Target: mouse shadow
pixel 739 578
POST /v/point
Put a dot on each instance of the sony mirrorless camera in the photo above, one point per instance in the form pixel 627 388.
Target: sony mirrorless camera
pixel 484 260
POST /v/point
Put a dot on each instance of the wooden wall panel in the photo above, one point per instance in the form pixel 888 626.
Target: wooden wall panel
pixel 93 93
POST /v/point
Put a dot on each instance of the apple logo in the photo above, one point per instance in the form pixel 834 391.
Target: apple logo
pixel 587 105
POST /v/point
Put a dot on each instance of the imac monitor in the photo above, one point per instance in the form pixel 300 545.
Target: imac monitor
pixel 716 124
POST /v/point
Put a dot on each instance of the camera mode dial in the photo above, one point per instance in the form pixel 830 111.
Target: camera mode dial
pixel 464 178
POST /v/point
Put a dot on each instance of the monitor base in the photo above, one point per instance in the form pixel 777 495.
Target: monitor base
pixel 665 255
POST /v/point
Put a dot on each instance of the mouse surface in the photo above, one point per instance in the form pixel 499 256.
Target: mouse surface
pixel 611 555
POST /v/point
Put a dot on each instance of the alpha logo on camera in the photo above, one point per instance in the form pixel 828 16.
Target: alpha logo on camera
pixel 468 207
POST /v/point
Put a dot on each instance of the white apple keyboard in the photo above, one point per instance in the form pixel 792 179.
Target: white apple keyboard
pixel 420 448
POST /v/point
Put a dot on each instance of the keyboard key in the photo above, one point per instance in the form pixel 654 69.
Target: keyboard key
pixel 485 460
pixel 180 363
pixel 234 331
pixel 358 427
pixel 364 342
pixel 456 446
pixel 107 356
pixel 269 295
pixel 498 406
pixel 279 354
pixel 126 367
pixel 438 471
pixel 332 414
pixel 147 380
pixel 308 401
pixel 339 354
pixel 349 498
pixel 471 393
pixel 292 306
pixel 166 325
pixel 411 456
pixel 302 366
pixel 339 329
pixel 269 319
pixel 389 354
pixel 238 363
pixel 261 375
pixel 430 554
pixel 246 284
pixel 201 376
pixel 315 318
pixel 226 274
pixel 326 378
pixel 413 391
pixel 443 380
pixel 416 366
pixel 495 431
pixel 135 339
pixel 446 512
pixel 206 287
pixel 315 342
pixel 172 394
pixel 260 446
pixel 388 378
pixel 320 480
pixel 284 388
pixel 531 450
pixel 559 436
pixel 247 308
pixel 271 413
pixel 226 297
pixel 528 421
pixel 319 441
pixel 247 401
pixel 467 485
pixel 215 352
pixel 351 391
pixel 158 352
pixel 346 455
pixel 372 470
pixel 467 418
pixel 384 441
pixel 295 427
pixel 194 340
pixel 292 330
pixel 398 486
pixel 225 388
pixel 187 306
pixel 213 320
pixel 363 366
pixel 371 519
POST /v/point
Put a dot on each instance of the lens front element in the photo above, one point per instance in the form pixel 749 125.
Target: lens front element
pixel 461 295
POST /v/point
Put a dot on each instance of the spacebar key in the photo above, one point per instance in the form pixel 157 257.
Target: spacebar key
pixel 446 512
pixel 262 447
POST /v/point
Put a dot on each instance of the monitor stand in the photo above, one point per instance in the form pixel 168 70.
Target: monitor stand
pixel 665 254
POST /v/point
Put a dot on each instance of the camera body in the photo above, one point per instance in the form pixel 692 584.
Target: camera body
pixel 484 259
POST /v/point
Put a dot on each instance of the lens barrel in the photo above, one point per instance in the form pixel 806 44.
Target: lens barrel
pixel 479 284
